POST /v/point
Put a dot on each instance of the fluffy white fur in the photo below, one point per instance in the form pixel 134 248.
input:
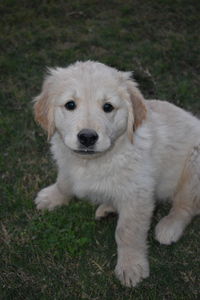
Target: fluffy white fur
pixel 146 150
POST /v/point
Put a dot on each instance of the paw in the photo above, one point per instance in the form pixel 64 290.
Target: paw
pixel 130 270
pixel 49 198
pixel 169 230
pixel 103 211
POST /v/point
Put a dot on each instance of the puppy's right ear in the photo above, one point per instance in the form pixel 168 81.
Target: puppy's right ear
pixel 43 108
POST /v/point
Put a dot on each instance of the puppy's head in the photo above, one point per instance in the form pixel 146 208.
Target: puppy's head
pixel 90 105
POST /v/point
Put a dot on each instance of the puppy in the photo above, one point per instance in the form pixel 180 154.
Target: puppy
pixel 119 150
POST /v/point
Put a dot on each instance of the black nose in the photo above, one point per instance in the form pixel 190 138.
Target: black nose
pixel 87 137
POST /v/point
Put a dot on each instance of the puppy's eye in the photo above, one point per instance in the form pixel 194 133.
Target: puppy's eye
pixel 70 105
pixel 107 107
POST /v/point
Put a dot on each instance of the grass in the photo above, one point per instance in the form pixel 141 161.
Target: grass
pixel 66 254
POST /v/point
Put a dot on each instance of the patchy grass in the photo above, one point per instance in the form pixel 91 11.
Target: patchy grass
pixel 65 254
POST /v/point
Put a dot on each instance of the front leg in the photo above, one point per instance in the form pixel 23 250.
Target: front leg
pixel 131 235
pixel 54 195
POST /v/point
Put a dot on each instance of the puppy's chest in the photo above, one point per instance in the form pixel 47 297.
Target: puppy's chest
pixel 97 183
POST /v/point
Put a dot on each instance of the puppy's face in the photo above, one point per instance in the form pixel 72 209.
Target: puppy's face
pixel 90 105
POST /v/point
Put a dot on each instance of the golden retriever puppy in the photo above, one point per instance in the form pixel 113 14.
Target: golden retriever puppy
pixel 119 150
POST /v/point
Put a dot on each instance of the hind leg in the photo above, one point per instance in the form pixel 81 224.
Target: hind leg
pixel 186 201
pixel 103 211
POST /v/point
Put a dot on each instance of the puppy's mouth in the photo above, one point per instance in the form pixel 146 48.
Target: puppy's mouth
pixel 85 151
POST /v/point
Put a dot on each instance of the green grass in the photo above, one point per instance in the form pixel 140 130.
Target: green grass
pixel 65 254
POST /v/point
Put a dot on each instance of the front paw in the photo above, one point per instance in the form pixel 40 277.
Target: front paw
pixel 131 269
pixel 49 198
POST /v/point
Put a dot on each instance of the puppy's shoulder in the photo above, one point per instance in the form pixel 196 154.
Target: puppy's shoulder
pixel 168 112
pixel 165 108
pixel 161 106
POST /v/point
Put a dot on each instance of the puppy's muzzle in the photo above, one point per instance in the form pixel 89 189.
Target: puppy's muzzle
pixel 87 137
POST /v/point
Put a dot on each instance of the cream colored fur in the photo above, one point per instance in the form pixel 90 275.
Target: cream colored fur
pixel 147 150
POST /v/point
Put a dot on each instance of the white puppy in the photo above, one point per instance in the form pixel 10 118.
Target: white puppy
pixel 119 150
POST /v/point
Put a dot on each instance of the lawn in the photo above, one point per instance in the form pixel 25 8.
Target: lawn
pixel 65 254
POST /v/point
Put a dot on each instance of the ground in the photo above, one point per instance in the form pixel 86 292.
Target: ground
pixel 65 254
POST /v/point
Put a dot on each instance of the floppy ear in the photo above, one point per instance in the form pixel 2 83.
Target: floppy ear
pixel 43 109
pixel 138 111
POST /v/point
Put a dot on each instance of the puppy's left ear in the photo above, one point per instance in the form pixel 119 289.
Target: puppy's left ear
pixel 138 111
